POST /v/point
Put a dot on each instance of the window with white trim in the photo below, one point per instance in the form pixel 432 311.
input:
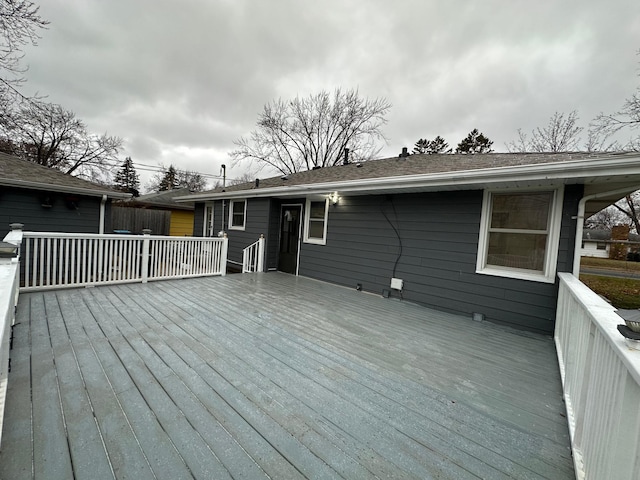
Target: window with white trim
pixel 520 233
pixel 315 224
pixel 207 230
pixel 237 214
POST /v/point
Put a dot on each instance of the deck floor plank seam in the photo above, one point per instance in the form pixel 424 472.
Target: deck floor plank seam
pixel 307 374
pixel 277 376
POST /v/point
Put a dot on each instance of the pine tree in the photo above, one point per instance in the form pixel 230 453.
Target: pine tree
pixel 170 180
pixel 430 147
pixel 127 179
pixel 475 142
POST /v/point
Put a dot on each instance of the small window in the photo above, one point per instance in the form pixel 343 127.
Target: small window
pixel 601 246
pixel 237 214
pixel 208 227
pixel 520 234
pixel 315 225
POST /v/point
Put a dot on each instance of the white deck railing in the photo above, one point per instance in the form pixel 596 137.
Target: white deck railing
pixel 253 257
pixel 601 381
pixel 9 283
pixel 56 260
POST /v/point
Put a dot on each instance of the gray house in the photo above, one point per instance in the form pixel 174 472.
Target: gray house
pixel 483 235
pixel 45 199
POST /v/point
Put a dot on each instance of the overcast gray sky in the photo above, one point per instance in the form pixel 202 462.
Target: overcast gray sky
pixel 179 81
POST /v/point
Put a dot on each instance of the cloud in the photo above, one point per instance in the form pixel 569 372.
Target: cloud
pixel 185 79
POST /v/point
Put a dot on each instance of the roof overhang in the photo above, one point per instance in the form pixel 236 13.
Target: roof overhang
pixel 598 175
pixel 62 188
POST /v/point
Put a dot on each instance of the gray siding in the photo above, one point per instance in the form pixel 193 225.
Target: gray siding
pixel 256 223
pixel 25 206
pixel 439 236
pixel 198 219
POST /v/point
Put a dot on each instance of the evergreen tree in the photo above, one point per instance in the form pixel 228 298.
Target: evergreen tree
pixel 127 179
pixel 169 181
pixel 475 142
pixel 421 146
pixel 430 147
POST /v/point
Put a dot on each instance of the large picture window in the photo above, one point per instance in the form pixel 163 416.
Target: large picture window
pixel 237 214
pixel 315 225
pixel 519 234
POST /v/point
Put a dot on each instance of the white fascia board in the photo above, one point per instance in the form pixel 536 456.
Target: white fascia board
pixel 556 173
pixel 62 189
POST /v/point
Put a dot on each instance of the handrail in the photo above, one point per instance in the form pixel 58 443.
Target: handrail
pixel 601 383
pixel 9 283
pixel 61 260
pixel 253 257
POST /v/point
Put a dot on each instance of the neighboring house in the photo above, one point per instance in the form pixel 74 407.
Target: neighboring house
pixel 483 234
pixel 180 215
pixel 597 243
pixel 44 199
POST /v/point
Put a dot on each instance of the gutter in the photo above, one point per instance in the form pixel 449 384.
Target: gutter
pixel 461 179
pixel 580 223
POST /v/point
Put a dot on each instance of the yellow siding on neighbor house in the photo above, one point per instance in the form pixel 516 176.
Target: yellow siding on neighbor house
pixel 181 224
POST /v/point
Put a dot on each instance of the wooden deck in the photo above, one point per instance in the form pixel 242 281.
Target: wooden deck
pixel 270 375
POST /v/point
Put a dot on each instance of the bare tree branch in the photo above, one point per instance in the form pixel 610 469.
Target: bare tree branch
pixel 304 133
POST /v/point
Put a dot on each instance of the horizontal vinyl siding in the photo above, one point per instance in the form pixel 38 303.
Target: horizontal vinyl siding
pixel 439 233
pixel 182 223
pixel 25 206
pixel 256 224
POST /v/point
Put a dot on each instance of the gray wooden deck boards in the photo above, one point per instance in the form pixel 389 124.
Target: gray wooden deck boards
pixel 269 375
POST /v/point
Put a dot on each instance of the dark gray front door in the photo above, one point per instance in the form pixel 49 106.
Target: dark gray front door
pixel 289 238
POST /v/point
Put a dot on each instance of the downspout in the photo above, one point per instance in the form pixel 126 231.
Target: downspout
pixel 103 202
pixel 580 224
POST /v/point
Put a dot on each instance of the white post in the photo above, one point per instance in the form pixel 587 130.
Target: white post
pixel 223 255
pixel 145 254
pixel 260 266
pixel 15 235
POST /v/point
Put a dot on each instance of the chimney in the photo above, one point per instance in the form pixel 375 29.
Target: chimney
pixel 404 153
pixel 257 182
pixel 346 157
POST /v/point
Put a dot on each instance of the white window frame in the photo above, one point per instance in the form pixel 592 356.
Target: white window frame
pixel 244 215
pixel 308 220
pixel 208 228
pixel 554 223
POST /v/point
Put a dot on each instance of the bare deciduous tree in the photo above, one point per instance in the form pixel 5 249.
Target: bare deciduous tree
pixel 52 136
pixel 606 219
pixel 561 134
pixel 304 133
pixel 630 207
pixel 628 117
pixel 19 24
pixel 171 178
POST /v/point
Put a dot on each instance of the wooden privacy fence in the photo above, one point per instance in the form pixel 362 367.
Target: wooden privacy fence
pixel 56 260
pixel 135 220
pixel 601 382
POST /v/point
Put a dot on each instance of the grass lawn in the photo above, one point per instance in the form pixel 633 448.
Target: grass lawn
pixel 621 292
pixel 608 264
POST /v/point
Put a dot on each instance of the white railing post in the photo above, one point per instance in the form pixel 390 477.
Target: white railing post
pixel 223 255
pixel 145 254
pixel 261 242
